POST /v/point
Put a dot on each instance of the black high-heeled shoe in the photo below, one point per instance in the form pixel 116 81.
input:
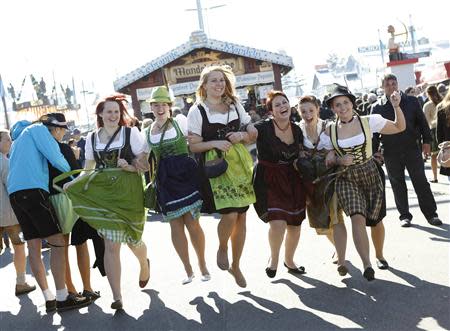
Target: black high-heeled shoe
pixel 369 274
pixel 342 270
pixel 298 271
pixel 271 272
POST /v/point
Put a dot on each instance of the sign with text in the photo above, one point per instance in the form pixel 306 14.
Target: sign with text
pixel 188 70
pixel 242 80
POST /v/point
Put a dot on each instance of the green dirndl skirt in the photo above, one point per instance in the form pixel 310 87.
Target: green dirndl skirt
pixel 233 189
pixel 112 202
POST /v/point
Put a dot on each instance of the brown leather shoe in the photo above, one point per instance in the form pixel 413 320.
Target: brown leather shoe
pixel 143 283
pixel 24 288
pixel 117 304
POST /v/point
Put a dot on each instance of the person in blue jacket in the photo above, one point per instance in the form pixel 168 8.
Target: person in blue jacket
pixel 33 146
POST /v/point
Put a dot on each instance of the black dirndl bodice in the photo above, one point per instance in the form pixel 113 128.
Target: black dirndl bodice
pixel 108 158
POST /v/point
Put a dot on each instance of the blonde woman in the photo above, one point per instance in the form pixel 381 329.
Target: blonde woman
pixel 219 125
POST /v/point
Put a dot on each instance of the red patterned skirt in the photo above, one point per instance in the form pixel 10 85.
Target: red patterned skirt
pixel 280 193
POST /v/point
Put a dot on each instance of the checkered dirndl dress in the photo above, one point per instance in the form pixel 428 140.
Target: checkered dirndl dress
pixel 360 188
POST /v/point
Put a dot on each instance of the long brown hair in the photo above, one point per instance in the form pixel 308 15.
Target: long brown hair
pixel 125 118
pixel 445 107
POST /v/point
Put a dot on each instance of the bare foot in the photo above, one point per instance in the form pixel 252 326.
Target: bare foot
pixel 222 259
pixel 238 276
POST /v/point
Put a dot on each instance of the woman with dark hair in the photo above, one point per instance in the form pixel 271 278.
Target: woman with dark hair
pixel 443 126
pixel 178 193
pixel 429 110
pixel 219 126
pixel 117 211
pixel 280 192
pixel 359 188
pixel 313 128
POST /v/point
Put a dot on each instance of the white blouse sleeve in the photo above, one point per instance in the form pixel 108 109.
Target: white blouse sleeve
pixel 243 115
pixel 182 123
pixel 194 120
pixel 144 133
pixel 137 141
pixel 325 141
pixel 376 122
pixel 88 152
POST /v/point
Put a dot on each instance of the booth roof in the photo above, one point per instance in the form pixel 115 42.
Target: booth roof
pixel 199 40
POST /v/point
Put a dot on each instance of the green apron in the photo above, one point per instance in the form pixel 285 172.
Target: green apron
pixel 111 199
pixel 234 188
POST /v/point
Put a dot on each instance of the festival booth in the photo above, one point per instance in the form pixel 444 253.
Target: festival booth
pixel 433 74
pixel 257 71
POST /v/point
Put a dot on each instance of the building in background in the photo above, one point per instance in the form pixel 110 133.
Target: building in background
pixel 257 71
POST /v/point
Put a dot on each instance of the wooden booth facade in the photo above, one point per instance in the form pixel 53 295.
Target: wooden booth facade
pixel 256 69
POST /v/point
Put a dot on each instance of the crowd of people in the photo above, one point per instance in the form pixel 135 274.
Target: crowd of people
pixel 321 167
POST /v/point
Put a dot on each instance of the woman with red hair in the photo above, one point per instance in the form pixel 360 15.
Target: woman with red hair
pixel 110 198
pixel 279 188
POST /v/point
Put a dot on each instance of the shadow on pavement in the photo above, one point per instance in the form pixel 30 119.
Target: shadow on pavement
pixel 441 233
pixel 28 318
pixel 379 305
pixel 243 315
pixel 6 257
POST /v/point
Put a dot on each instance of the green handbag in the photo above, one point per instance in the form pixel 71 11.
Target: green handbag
pixel 150 191
pixel 150 199
pixel 64 211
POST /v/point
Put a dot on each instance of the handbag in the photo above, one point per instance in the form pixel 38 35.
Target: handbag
pixel 443 157
pixel 215 168
pixel 64 211
pixel 308 165
pixel 150 191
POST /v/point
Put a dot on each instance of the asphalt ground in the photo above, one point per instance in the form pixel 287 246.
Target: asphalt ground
pixel 412 294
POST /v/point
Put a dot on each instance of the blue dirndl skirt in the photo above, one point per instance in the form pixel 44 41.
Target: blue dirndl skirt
pixel 178 187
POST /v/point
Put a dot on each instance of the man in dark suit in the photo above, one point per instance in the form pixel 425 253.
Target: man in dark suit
pixel 402 151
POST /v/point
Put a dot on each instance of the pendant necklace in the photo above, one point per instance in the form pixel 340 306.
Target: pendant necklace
pixel 282 129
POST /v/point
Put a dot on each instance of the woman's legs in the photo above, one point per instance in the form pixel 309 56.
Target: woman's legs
pixel 113 267
pixel 330 236
pixel 140 251
pixel 224 231
pixel 84 263
pixel 290 245
pixel 434 166
pixel 198 240
pixel 340 241
pixel 377 233
pixel 237 246
pixel 277 230
pixel 360 239
pixel 180 243
pixel 69 284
